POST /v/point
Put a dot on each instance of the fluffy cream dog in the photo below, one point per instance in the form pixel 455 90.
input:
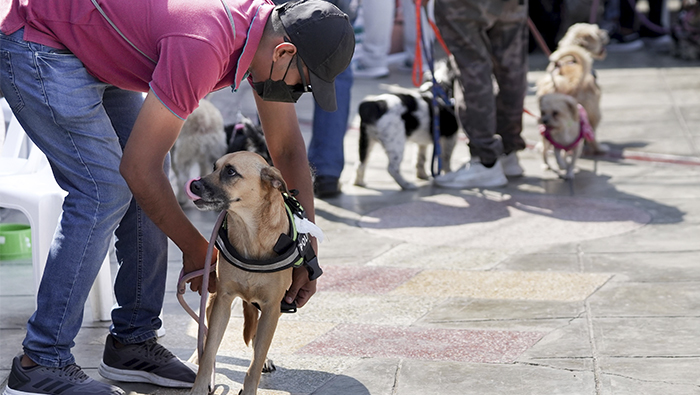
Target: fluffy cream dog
pixel 564 127
pixel 202 141
pixel 587 36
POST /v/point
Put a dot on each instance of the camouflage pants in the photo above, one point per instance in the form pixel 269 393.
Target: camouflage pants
pixel 489 39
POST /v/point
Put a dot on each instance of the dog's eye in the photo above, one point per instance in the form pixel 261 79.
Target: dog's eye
pixel 555 113
pixel 230 171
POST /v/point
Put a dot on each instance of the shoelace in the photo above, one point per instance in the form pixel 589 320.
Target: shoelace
pixel 72 373
pixel 154 348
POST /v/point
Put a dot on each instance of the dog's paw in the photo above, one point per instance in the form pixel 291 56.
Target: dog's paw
pixel 268 366
pixel 360 183
pixel 422 175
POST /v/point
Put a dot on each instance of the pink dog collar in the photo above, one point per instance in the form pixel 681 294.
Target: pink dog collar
pixel 585 131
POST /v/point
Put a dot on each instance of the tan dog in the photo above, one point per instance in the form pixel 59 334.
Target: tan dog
pixel 251 192
pixel 562 131
pixel 569 72
pixel 587 36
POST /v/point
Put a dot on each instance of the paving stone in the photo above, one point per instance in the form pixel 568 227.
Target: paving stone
pixel 463 313
pixel 419 378
pixel 445 257
pixel 570 341
pixel 648 337
pixel 552 262
pixel 504 285
pixel 369 376
pixel 673 372
pixel 376 280
pixel 657 238
pixel 668 299
pixel 388 309
pixel 415 343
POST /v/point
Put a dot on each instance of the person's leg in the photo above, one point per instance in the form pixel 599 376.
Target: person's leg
pixel 378 17
pixel 132 353
pixel 626 38
pixel 410 32
pixel 509 38
pixel 326 150
pixel 59 105
pixel 657 18
pixel 463 26
pixel 627 16
pixel 141 247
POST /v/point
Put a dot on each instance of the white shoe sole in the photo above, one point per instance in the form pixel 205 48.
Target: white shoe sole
pixel 138 376
pixel 485 182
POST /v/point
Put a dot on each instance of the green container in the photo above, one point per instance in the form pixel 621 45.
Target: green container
pixel 15 242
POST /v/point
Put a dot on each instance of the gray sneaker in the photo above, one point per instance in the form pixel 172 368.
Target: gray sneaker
pixel 474 175
pixel 511 165
pixel 147 362
pixel 40 380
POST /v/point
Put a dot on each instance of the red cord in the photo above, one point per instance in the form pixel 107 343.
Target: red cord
pixel 417 57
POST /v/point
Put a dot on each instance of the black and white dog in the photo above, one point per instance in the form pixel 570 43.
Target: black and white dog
pixel 246 135
pixel 396 118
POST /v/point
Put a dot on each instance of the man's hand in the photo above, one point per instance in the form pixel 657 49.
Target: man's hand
pixel 302 289
pixel 192 262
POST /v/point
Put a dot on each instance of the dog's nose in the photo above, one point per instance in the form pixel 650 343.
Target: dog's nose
pixel 194 188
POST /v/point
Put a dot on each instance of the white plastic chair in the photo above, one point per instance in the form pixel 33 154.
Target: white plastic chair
pixel 27 185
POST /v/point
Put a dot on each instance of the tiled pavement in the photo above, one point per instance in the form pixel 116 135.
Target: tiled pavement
pixel 541 287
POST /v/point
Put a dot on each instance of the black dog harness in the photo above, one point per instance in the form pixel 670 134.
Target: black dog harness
pixel 293 249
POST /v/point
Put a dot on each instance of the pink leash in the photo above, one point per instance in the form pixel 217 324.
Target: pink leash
pixel 182 287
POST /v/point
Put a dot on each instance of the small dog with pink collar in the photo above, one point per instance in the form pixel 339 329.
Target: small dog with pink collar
pixel 564 127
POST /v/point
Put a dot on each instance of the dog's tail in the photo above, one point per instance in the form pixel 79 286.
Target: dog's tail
pixel 250 322
pixel 564 59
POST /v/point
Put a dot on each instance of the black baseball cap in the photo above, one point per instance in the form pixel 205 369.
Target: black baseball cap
pixel 325 41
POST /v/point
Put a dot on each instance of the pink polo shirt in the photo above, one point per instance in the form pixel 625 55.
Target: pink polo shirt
pixel 192 42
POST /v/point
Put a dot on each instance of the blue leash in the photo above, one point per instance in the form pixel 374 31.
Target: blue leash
pixel 438 94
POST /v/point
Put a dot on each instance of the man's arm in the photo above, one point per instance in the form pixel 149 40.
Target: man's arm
pixel 288 152
pixel 154 133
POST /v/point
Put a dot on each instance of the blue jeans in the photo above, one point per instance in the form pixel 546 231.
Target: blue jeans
pixel 326 154
pixel 82 125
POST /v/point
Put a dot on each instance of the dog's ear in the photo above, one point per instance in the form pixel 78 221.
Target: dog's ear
pixel 573 106
pixel 273 176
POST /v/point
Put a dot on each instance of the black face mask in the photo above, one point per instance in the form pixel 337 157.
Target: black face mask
pixel 279 91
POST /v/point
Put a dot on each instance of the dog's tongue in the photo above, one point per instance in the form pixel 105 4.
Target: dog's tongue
pixel 189 191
